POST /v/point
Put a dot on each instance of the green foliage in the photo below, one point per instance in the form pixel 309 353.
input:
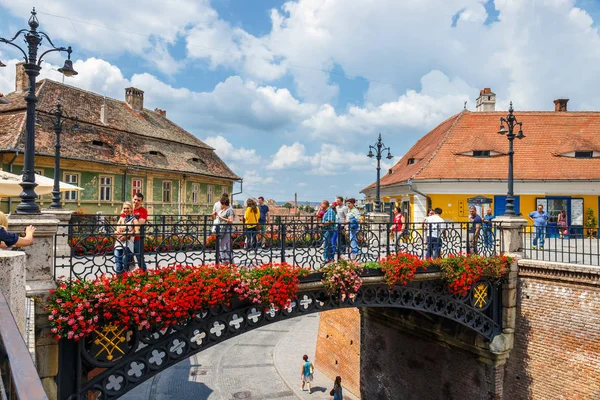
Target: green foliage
pixel 590 219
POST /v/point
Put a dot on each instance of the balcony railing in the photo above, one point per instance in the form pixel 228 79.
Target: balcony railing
pixel 19 378
pixel 95 249
pixel 572 244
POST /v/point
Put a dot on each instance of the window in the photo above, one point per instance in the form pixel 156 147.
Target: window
pixel 195 189
pixel 155 153
pixel 73 179
pixel 98 143
pixel 225 189
pixel 166 191
pixel 412 161
pixel 481 153
pixel 105 188
pixel 136 186
pixel 209 194
pixel 584 154
pixel 39 172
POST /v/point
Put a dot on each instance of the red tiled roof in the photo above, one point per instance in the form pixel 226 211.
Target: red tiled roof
pixel 537 157
pixel 129 135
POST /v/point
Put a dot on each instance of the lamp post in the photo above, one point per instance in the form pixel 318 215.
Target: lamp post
pixel 511 122
pixel 379 148
pixel 32 67
pixel 58 124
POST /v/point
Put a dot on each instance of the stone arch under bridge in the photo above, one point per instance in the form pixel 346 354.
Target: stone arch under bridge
pixel 115 360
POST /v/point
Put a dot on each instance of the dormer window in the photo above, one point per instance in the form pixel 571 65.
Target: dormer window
pixel 98 143
pixel 411 161
pixel 155 153
pixel 481 153
pixel 584 154
pixel 195 159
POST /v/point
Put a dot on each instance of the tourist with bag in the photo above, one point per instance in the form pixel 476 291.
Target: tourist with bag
pixel 336 392
pixel 306 376
pixel 127 228
pixel 224 228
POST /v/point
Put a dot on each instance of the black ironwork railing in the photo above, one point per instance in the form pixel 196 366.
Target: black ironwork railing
pixel 90 250
pixel 19 378
pixel 569 244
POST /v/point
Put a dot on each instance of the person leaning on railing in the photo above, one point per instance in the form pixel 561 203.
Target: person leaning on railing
pixel 9 239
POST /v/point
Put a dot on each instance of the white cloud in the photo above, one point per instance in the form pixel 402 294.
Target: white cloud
pixel 228 152
pixel 329 160
pixel 439 98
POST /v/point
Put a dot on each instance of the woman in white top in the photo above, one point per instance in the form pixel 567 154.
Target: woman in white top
pixel 127 228
pixel 225 219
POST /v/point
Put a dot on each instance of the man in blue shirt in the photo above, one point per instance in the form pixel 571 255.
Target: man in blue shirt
pixel 264 217
pixel 328 228
pixel 540 220
pixel 475 222
pixel 488 234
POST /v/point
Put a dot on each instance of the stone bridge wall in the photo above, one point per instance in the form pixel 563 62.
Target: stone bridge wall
pixel 556 354
pixel 413 355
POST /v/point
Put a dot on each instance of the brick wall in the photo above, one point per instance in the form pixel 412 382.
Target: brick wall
pixel 410 355
pixel 557 335
pixel 338 347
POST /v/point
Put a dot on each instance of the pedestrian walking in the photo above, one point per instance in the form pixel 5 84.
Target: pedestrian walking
pixel 353 217
pixel 398 225
pixel 475 222
pixel 563 224
pixel 488 234
pixel 251 218
pixel 264 218
pixel 9 239
pixel 540 220
pixel 225 217
pixel 435 228
pixel 337 239
pixel 141 216
pixel 328 229
pixel 306 376
pixel 336 392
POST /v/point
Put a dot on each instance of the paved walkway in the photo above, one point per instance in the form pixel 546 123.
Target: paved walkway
pixel 262 364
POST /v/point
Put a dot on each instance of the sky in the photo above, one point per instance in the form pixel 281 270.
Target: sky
pixel 292 93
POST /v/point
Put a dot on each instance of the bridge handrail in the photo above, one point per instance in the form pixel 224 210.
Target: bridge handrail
pixel 19 376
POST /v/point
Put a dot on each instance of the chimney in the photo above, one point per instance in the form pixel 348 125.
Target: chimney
pixel 135 98
pixel 161 112
pixel 560 105
pixel 104 113
pixel 486 100
pixel 21 78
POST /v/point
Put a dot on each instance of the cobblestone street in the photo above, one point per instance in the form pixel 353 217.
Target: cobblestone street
pixel 261 364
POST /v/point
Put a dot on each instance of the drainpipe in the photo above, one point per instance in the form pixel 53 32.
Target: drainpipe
pixel 240 192
pixel 10 169
pixel 410 187
pixel 124 186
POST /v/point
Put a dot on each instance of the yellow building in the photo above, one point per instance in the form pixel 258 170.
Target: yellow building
pixel 121 148
pixel 557 165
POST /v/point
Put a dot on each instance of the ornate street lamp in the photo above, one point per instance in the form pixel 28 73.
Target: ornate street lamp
pixel 58 125
pixel 379 148
pixel 33 38
pixel 511 121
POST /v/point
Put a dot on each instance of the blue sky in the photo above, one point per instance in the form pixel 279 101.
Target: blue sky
pixel 291 93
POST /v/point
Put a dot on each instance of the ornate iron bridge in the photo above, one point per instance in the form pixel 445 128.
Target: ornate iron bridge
pixel 85 249
pixel 114 359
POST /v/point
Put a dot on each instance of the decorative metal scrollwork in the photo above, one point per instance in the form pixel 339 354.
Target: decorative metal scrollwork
pixel 131 356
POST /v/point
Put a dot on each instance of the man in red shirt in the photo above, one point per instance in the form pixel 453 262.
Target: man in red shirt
pixel 141 214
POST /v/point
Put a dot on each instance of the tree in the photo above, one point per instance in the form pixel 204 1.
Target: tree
pixel 288 206
pixel 591 223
